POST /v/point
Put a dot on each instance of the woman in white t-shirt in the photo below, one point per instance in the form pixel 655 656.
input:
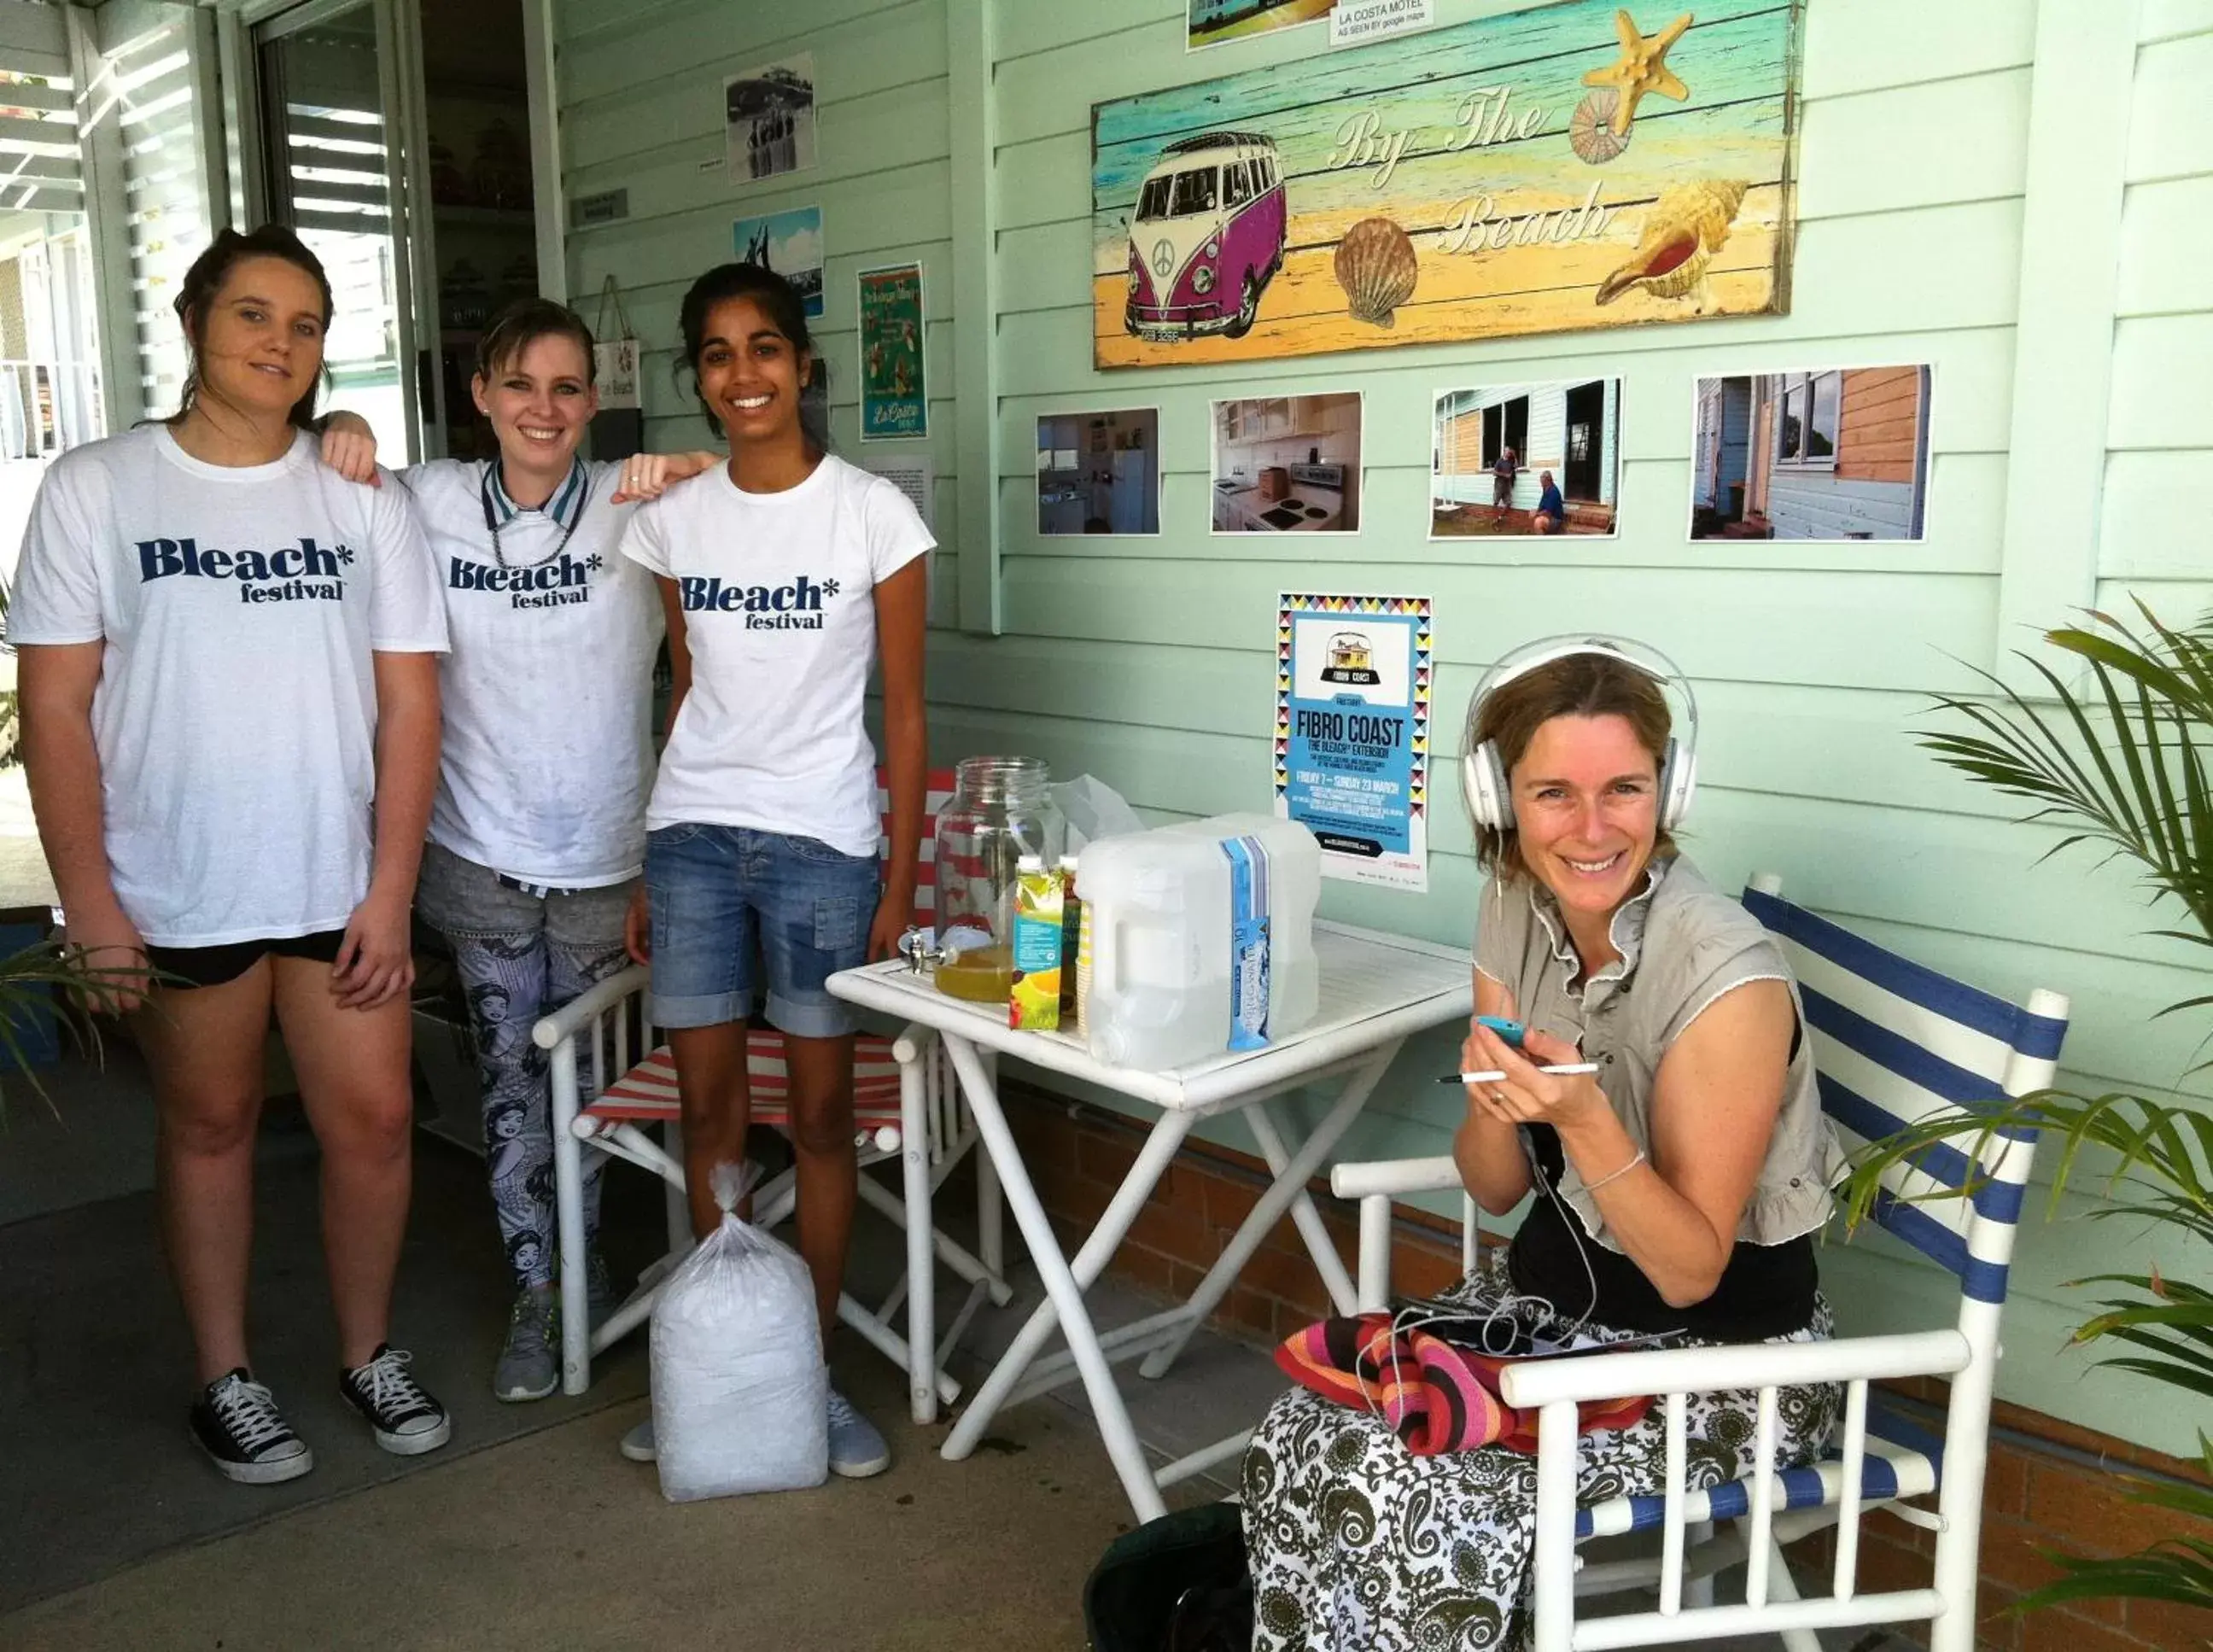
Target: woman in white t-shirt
pixel 230 691
pixel 785 574
pixel 537 832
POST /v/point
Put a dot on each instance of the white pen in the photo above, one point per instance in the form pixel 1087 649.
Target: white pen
pixel 1493 1078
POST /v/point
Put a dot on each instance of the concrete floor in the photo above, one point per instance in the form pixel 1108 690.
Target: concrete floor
pixel 554 1542
pixel 550 1538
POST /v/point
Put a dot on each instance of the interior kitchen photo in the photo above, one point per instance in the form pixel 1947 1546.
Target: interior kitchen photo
pixel 1287 464
pixel 1100 472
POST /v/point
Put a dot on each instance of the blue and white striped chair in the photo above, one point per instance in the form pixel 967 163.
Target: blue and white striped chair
pixel 1893 1042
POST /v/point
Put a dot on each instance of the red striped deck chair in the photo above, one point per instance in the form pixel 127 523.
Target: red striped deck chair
pixel 607 1103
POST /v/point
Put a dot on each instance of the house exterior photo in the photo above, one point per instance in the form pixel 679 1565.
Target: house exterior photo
pixel 1570 429
pixel 1841 453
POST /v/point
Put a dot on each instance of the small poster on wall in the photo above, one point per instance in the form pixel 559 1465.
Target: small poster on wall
pixel 895 400
pixel 1826 453
pixel 1508 459
pixel 1288 464
pixel 1352 733
pixel 913 476
pixel 768 119
pixel 1217 22
pixel 789 243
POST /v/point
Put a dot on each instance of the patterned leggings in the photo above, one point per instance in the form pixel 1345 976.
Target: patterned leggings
pixel 522 956
pixel 511 982
pixel 1357 1545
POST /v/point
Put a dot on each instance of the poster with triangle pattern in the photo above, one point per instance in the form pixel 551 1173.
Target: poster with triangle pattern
pixel 1353 678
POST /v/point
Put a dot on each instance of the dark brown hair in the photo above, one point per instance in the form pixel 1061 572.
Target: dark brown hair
pixel 1577 685
pixel 786 311
pixel 203 281
pixel 521 324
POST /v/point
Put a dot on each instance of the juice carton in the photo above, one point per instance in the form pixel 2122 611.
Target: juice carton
pixel 1071 937
pixel 1033 998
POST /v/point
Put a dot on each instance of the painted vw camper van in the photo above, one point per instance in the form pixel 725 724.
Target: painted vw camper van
pixel 1207 235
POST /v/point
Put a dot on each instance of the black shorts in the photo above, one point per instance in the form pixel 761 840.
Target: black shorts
pixel 191 967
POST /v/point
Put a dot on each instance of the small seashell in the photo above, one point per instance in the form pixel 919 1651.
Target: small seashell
pixel 1590 128
pixel 1376 266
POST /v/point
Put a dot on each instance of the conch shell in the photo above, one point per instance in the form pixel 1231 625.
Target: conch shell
pixel 1681 233
pixel 1376 266
pixel 1590 128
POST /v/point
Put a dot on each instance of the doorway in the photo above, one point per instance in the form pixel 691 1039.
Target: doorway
pixel 324 79
pixel 393 137
pixel 1584 469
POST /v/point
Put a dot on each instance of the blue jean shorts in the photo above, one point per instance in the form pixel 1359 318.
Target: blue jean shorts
pixel 737 912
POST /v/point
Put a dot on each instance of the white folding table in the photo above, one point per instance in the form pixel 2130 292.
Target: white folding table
pixel 1376 991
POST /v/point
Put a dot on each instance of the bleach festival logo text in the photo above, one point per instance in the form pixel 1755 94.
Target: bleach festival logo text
pixel 307 572
pixel 554 584
pixel 795 606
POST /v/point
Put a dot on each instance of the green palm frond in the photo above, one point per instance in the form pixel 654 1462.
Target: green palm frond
pixel 2124 766
pixel 2117 762
pixel 31 980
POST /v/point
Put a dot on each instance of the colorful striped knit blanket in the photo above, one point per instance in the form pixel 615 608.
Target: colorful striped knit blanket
pixel 1435 1395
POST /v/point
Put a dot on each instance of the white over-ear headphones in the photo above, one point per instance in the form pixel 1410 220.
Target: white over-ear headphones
pixel 1482 778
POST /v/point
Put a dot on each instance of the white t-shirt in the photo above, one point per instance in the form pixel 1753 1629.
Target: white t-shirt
pixel 548 694
pixel 236 717
pixel 778 592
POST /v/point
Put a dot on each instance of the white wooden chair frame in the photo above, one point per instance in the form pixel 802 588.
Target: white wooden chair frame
pixel 1973 1236
pixel 590 1046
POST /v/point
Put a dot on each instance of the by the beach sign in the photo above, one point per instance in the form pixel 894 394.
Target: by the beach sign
pixel 1577 165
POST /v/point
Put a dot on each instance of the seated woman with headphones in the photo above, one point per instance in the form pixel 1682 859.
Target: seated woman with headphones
pixel 1678 1186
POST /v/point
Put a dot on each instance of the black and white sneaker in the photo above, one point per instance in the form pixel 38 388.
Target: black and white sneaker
pixel 406 1420
pixel 245 1436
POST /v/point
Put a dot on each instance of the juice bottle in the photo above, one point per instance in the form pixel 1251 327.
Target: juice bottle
pixel 1034 995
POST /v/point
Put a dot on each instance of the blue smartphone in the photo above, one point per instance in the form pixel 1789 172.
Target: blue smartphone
pixel 1510 1031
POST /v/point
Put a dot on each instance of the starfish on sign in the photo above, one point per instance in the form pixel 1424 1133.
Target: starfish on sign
pixel 829 588
pixel 594 562
pixel 1642 68
pixel 343 553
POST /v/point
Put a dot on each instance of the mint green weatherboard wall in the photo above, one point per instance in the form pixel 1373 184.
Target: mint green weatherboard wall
pixel 1922 238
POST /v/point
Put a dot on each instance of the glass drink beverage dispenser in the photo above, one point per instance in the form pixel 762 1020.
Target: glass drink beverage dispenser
pixel 1001 810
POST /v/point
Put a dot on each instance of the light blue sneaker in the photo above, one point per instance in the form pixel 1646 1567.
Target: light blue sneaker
pixel 856 1449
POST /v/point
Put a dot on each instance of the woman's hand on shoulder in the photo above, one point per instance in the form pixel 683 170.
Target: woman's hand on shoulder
pixel 648 475
pixel 349 448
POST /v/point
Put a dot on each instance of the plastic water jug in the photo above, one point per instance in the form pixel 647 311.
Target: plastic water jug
pixel 1160 906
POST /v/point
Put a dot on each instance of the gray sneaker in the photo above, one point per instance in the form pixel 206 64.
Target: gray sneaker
pixel 638 1444
pixel 529 1365
pixel 856 1449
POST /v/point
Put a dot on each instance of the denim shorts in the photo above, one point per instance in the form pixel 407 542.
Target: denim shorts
pixel 736 911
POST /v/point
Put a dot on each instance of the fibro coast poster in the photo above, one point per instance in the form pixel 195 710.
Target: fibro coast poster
pixel 1352 732
pixel 1576 166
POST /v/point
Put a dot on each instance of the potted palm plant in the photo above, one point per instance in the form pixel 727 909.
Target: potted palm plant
pixel 49 975
pixel 2120 764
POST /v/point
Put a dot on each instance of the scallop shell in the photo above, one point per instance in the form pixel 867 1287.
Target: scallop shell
pixel 1590 128
pixel 1376 266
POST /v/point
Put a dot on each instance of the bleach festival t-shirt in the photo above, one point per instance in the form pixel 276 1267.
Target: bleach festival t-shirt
pixel 236 717
pixel 547 755
pixel 779 596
